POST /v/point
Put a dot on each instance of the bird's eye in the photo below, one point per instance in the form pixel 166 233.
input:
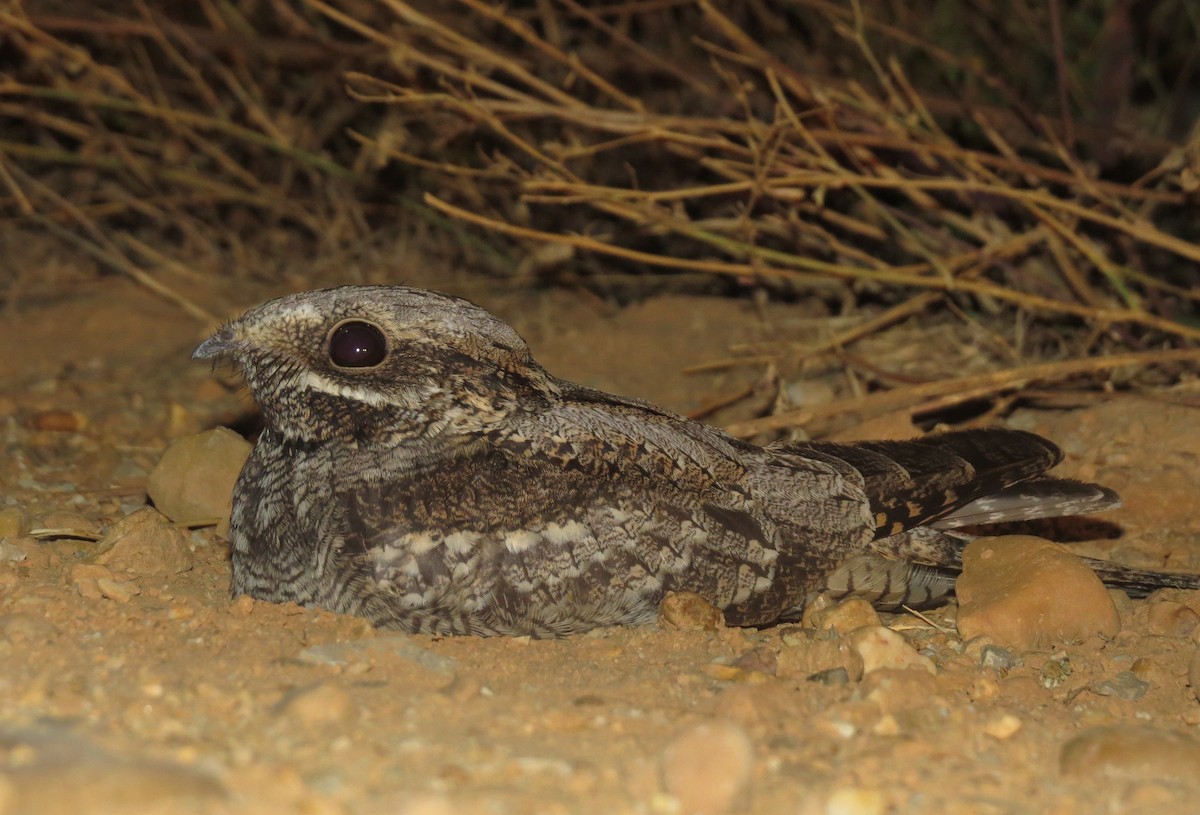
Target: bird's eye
pixel 356 344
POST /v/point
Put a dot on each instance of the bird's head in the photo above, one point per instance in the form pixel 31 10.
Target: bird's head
pixel 366 364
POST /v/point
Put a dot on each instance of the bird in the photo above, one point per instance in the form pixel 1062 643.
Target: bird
pixel 418 468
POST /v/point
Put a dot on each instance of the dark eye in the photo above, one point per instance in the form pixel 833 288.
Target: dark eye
pixel 356 344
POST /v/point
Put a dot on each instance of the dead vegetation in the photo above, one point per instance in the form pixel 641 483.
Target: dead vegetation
pixel 1023 169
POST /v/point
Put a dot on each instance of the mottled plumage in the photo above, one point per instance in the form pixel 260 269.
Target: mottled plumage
pixel 418 468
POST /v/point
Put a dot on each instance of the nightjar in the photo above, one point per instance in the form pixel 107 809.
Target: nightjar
pixel 419 468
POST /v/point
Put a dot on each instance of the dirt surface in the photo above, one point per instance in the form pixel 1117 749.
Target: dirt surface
pixel 161 694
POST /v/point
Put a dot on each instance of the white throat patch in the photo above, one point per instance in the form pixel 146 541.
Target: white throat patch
pixel 311 380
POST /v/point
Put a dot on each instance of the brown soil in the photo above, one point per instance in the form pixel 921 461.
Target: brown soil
pixel 182 700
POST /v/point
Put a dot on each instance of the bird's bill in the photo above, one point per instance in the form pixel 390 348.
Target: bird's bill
pixel 225 341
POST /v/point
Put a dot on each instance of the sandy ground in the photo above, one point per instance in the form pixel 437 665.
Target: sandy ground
pixel 164 695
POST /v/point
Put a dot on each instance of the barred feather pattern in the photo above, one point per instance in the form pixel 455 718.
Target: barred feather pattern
pixel 453 486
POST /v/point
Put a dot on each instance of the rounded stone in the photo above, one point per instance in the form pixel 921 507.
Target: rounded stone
pixel 688 611
pixel 144 542
pixel 844 616
pixel 1029 593
pixel 193 481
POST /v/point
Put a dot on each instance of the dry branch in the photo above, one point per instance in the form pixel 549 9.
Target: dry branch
pixel 757 170
pixel 807 148
pixel 930 396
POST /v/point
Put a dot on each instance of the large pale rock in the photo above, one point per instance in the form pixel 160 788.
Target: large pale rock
pixel 1028 593
pixel 193 481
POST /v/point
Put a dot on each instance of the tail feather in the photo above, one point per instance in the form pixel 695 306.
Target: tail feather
pixel 1033 500
pixel 1140 582
pixel 910 483
pixel 921 490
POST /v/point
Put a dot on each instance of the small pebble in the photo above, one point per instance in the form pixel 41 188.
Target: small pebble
pixel 86 578
pixel 973 648
pixel 997 658
pixel 830 676
pixel 1002 727
pixel 707 768
pixel 118 591
pixel 144 543
pixel 882 647
pixel 1132 752
pixel 688 611
pixel 843 617
pixel 1028 593
pixel 1125 686
pixel 193 481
